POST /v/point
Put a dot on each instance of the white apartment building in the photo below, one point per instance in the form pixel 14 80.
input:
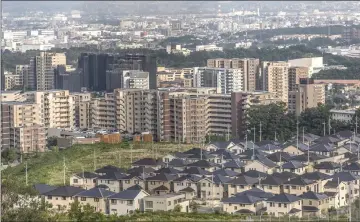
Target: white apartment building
pixel 224 80
pixel 208 48
pixel 134 79
pixel 342 115
pixel 315 64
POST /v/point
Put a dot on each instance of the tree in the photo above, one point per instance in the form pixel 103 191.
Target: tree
pixel 274 119
pixel 177 208
pixel 194 206
pixel 9 155
pixel 79 213
pixel 52 141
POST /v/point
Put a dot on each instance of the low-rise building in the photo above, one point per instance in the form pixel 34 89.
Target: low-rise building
pixel 60 198
pixel 95 197
pixel 166 202
pixel 85 180
pixel 284 204
pixel 127 202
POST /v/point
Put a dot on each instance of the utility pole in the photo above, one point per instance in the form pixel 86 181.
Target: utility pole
pixel 253 156
pixel 275 136
pixel 246 142
pixel 64 166
pixel 26 173
pixel 303 137
pixel 94 159
pixel 324 128
pixel 297 134
pixel 228 133
pixel 329 125
pixel 260 132
pixel 131 158
pixel 356 125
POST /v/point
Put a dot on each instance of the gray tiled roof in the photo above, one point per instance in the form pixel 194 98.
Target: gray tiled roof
pixel 64 191
pixel 313 196
pixel 43 188
pixel 95 192
pixel 283 198
pixel 126 195
pixel 243 180
pixel 242 199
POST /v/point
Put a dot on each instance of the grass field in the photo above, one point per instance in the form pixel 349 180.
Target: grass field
pixel 48 167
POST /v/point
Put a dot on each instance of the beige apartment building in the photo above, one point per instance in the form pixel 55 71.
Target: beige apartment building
pixel 41 72
pixel 103 112
pixel 170 75
pixel 295 74
pixel 55 108
pixel 12 96
pixel 275 79
pixel 77 99
pixel 30 139
pixel 307 95
pixel 16 115
pixel 249 67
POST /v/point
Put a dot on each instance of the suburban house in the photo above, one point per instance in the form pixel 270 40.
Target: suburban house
pixel 61 197
pixel 212 187
pixel 127 201
pixel 205 165
pixel 160 180
pixel 148 162
pixel 234 165
pixel 315 204
pixel 244 204
pixel 166 202
pixel 327 167
pixel 95 197
pixel 185 181
pixel 240 184
pixel 109 169
pixel 284 204
pixel 131 180
pixel 293 167
pixel 85 180
pixel 111 181
pixel 272 184
pixel 248 202
pixel 299 185
pixel 262 164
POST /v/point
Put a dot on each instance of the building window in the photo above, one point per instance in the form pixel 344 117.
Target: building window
pixel 49 197
pixel 129 202
pixel 148 204
pixel 63 198
pixel 83 198
pixel 75 181
pixel 113 201
pixel 96 199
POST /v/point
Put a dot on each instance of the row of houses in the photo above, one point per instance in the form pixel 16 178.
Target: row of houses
pixel 296 178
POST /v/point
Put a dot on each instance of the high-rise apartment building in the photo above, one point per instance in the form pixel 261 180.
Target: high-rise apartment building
pixel 100 71
pixel 295 74
pixel 241 102
pixel 103 112
pixel 30 139
pixel 249 67
pixel 15 118
pixel 55 108
pixel 307 95
pixel 314 64
pixel 275 79
pixel 224 80
pixel 41 72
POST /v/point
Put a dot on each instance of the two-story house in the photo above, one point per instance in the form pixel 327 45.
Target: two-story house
pixel 85 180
pixel 315 204
pixel 95 197
pixel 61 197
pixel 127 201
pixel 284 204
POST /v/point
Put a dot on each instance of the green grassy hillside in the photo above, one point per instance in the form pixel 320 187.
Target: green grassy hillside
pixel 48 167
